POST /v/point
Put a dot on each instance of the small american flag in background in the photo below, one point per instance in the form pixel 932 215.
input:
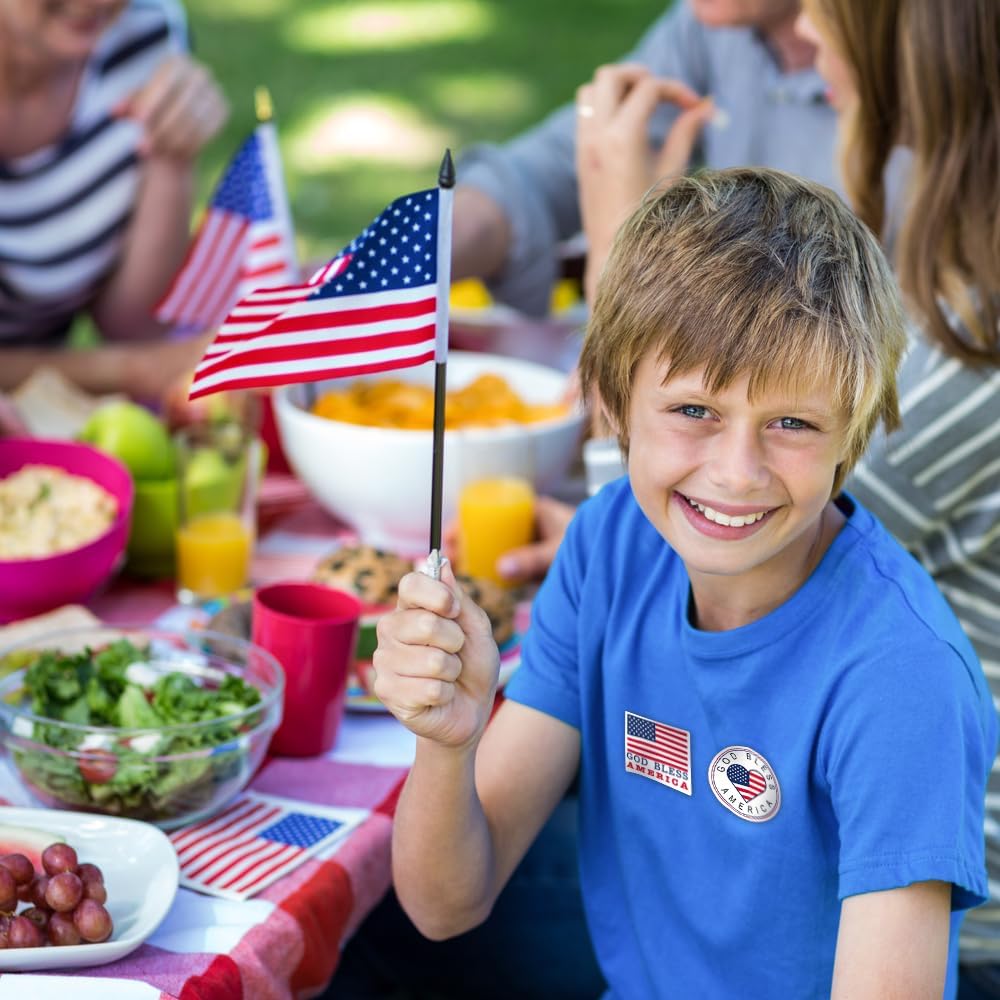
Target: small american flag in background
pixel 255 840
pixel 244 241
pixel 748 783
pixel 658 742
pixel 373 308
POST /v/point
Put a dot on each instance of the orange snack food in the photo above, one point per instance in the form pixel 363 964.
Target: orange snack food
pixel 487 401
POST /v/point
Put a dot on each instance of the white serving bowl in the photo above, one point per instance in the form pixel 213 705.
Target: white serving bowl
pixel 378 480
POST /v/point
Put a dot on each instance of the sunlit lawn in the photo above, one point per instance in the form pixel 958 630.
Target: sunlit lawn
pixel 368 94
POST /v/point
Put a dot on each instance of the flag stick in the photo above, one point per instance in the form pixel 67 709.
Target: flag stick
pixel 277 189
pixel 446 183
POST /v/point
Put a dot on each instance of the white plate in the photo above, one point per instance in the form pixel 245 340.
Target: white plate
pixel 140 871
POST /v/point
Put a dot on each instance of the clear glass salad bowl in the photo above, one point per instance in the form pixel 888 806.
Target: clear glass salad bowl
pixel 154 725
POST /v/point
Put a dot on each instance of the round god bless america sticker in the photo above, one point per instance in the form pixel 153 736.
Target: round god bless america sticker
pixel 745 783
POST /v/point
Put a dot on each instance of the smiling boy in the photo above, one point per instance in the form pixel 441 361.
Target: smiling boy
pixel 781 732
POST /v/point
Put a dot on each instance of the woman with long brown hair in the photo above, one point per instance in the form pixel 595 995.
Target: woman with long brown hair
pixel 920 79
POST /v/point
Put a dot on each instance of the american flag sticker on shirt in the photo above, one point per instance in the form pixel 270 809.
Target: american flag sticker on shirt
pixel 255 840
pixel 659 752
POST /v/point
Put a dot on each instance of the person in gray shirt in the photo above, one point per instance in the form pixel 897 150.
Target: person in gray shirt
pixel 517 202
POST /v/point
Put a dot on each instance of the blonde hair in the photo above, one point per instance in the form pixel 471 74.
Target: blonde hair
pixel 927 73
pixel 750 272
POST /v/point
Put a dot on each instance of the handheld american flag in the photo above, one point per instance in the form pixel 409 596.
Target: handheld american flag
pixel 373 308
pixel 244 242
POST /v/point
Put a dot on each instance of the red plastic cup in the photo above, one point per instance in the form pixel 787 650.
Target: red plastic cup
pixel 312 630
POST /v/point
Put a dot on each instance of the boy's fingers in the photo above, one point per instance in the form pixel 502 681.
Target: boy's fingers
pixel 417 590
pixel 411 696
pixel 471 618
pixel 420 627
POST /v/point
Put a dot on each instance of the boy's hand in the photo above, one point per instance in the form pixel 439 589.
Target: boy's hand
pixel 180 109
pixel 615 165
pixel 436 663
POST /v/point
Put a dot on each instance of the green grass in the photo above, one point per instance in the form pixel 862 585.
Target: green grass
pixel 368 94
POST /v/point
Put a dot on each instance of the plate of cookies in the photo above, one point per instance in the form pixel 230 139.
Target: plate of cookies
pixel 373 574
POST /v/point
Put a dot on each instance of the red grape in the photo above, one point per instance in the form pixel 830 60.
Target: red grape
pixel 64 891
pixel 88 872
pixel 62 929
pixel 37 891
pixel 63 906
pixel 24 934
pixel 37 915
pixel 8 890
pixel 58 858
pixel 20 867
pixel 95 890
pixel 92 921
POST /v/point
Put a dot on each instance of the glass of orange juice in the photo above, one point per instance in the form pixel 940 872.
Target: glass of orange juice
pixel 218 468
pixel 494 516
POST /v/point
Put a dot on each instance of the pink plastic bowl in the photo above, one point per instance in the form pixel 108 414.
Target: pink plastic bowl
pixel 31 586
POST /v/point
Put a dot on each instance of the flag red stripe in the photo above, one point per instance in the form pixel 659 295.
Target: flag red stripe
pixel 283 378
pixel 253 274
pixel 239 828
pixel 266 242
pixel 244 886
pixel 331 347
pixel 231 854
pixel 185 839
pixel 296 320
pixel 245 861
pixel 645 749
pixel 305 322
pixel 191 267
pixel 216 273
pixel 663 731
pixel 224 848
pixel 279 855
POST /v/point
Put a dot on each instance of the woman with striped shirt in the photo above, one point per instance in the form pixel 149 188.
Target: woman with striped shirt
pixel 102 115
pixel 926 75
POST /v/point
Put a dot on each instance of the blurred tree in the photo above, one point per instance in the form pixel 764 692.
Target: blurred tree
pixel 367 93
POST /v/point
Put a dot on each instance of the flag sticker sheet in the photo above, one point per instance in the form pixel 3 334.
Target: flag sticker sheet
pixel 255 840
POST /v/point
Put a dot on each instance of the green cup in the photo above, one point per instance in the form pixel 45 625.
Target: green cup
pixel 150 549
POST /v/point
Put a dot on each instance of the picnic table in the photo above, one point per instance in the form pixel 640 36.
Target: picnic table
pixel 285 941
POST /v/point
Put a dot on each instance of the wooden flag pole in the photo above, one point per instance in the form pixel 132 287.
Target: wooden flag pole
pixel 446 184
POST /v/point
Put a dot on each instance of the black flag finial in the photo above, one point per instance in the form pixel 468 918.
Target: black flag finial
pixel 446 172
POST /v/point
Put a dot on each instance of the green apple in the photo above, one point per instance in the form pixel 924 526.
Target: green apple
pixel 211 483
pixel 132 434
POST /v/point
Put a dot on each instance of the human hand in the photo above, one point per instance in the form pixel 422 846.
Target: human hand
pixel 531 562
pixel 527 562
pixel 180 109
pixel 436 664
pixel 154 371
pixel 614 161
pixel 11 422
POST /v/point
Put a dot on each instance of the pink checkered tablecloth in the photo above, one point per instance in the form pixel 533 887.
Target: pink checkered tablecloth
pixel 285 941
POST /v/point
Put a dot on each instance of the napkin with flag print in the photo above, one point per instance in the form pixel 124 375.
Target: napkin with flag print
pixel 256 840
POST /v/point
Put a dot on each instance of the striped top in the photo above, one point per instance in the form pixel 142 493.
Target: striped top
pixel 64 209
pixel 935 484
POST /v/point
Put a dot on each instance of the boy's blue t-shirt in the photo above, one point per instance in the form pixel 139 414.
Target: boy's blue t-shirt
pixel 736 786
